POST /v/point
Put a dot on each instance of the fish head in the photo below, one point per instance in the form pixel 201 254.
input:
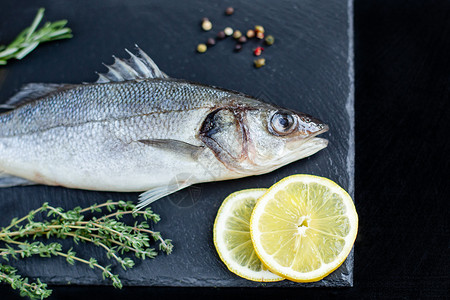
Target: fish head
pixel 277 136
pixel 257 139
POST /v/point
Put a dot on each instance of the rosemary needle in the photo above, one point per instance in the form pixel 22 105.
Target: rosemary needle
pixel 31 37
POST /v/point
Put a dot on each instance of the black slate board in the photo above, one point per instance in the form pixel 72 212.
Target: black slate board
pixel 309 68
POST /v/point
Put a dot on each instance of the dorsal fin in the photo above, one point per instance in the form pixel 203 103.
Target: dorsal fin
pixel 31 92
pixel 139 66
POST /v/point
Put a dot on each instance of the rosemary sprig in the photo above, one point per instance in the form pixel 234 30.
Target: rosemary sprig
pixel 30 38
pixel 82 225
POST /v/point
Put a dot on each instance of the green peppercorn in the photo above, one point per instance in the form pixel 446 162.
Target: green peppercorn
pixel 259 62
pixel 259 28
pixel 237 34
pixel 201 48
pixel 269 40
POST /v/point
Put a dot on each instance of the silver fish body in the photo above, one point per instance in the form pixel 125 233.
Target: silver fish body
pixel 148 133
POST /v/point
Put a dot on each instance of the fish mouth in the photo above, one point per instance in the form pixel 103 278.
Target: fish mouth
pixel 318 140
pixel 317 143
pixel 322 129
pixel 301 148
pixel 310 144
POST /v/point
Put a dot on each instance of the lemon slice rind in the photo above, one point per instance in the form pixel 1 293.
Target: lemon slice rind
pixel 224 212
pixel 326 268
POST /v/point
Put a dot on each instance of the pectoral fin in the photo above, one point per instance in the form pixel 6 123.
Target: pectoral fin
pixel 179 148
pixel 176 146
pixel 156 193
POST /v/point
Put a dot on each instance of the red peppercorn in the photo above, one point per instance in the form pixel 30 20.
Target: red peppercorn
pixel 258 51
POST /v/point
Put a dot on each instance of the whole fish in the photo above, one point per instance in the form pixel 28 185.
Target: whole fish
pixel 136 129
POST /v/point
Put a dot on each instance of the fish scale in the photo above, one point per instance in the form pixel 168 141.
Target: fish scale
pixel 107 102
pixel 151 133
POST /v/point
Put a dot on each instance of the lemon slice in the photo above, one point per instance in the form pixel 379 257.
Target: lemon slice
pixel 232 236
pixel 304 227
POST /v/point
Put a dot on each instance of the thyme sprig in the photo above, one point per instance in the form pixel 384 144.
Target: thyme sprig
pixel 99 224
pixel 34 290
pixel 31 37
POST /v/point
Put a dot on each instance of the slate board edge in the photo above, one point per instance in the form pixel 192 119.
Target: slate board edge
pixel 350 107
pixel 350 169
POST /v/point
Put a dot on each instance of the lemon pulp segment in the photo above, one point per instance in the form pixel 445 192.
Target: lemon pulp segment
pixel 232 236
pixel 304 227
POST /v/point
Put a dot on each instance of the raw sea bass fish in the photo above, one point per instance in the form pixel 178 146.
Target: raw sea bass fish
pixel 136 129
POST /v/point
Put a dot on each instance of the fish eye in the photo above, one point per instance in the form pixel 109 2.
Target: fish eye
pixel 283 123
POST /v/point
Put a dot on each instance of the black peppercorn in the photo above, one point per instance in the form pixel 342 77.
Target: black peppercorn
pixel 229 11
pixel 242 39
pixel 221 35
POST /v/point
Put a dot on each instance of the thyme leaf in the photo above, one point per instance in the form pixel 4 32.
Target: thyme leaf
pixel 101 225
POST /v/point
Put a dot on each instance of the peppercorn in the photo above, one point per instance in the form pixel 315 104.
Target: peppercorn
pixel 237 47
pixel 259 62
pixel 250 33
pixel 259 28
pixel 258 51
pixel 201 48
pixel 242 39
pixel 229 11
pixel 237 34
pixel 210 42
pixel 206 24
pixel 228 31
pixel 221 35
pixel 260 35
pixel 269 40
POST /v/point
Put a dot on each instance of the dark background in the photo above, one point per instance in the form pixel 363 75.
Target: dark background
pixel 402 76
